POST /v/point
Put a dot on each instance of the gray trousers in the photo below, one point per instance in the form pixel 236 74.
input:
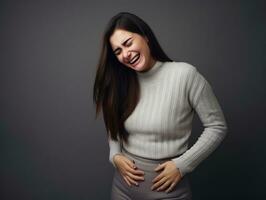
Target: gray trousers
pixel 121 191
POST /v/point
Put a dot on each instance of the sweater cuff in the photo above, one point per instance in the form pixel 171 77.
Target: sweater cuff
pixel 115 148
pixel 183 169
pixel 112 159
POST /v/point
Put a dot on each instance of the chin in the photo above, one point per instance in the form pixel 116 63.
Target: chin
pixel 141 65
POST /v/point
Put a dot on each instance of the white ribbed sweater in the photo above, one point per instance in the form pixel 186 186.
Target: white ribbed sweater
pixel 160 125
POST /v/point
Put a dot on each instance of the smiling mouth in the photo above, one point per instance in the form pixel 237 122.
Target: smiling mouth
pixel 134 59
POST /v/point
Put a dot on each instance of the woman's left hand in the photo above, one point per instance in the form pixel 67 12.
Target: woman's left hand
pixel 168 178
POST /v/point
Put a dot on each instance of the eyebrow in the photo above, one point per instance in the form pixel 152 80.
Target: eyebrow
pixel 123 43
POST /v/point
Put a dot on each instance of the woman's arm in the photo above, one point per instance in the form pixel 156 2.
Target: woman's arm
pixel 204 102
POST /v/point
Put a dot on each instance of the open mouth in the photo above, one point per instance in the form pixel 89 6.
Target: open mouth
pixel 135 59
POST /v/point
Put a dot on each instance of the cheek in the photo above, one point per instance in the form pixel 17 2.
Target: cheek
pixel 144 49
pixel 119 58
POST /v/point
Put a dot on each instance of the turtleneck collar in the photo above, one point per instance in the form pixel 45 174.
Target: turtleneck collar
pixel 151 71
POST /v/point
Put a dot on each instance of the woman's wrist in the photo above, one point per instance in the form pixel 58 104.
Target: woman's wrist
pixel 115 157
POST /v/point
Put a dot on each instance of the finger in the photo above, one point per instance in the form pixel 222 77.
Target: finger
pixel 134 171
pixel 132 181
pixel 160 167
pixel 135 177
pixel 165 185
pixel 159 183
pixel 130 164
pixel 157 178
pixel 138 172
pixel 134 165
pixel 171 187
pixel 125 178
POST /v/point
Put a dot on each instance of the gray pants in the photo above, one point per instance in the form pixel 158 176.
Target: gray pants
pixel 121 191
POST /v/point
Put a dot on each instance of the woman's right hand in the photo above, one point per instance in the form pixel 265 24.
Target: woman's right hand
pixel 128 170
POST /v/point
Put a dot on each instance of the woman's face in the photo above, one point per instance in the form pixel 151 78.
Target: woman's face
pixel 132 50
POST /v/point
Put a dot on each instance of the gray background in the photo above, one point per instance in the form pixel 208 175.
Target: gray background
pixel 52 147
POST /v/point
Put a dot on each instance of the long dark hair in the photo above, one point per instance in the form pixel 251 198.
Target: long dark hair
pixel 116 87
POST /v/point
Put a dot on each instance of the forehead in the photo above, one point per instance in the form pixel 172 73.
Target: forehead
pixel 120 36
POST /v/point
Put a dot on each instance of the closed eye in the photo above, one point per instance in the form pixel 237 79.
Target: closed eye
pixel 118 50
pixel 129 43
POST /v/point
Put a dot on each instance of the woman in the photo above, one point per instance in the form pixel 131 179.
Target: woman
pixel 148 103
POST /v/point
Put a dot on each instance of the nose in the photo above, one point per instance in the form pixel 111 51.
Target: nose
pixel 126 55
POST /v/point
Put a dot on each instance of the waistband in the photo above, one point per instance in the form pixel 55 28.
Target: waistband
pixel 147 160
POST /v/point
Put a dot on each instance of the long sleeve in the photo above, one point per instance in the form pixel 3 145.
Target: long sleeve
pixel 204 102
pixel 114 148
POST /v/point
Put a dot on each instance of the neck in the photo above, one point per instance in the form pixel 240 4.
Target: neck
pixel 151 64
pixel 154 67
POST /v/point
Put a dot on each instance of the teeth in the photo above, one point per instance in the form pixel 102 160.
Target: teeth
pixel 134 59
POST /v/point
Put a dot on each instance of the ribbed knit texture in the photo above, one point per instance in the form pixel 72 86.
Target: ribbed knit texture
pixel 160 126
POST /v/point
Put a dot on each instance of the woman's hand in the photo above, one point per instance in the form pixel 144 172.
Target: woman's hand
pixel 128 170
pixel 168 178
